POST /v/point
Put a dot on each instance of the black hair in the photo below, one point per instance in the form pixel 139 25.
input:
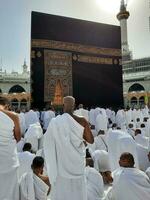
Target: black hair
pixel 38 162
pixel 27 147
pixel 89 162
pixel 142 125
pixel 114 125
pixel 138 131
pixel 130 125
pixel 88 155
pixel 138 119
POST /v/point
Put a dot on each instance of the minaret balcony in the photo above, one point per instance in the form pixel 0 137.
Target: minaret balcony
pixel 123 15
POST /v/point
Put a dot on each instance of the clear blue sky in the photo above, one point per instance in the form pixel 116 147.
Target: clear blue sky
pixel 15 25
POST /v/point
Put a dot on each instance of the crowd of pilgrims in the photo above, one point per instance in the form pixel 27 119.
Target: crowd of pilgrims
pixel 117 163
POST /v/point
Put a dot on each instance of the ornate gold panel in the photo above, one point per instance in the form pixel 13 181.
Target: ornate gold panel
pixel 57 68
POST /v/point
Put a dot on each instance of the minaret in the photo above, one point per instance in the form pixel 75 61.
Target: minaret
pixel 25 67
pixel 122 16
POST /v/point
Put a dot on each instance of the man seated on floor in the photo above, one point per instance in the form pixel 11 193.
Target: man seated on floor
pixel 35 185
pixel 94 182
pixel 130 183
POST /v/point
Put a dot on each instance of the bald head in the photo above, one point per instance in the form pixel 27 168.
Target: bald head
pixel 69 103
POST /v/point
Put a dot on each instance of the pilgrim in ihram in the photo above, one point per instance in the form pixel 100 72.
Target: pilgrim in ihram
pixel 43 155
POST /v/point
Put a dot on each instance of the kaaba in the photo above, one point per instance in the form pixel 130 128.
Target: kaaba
pixel 75 57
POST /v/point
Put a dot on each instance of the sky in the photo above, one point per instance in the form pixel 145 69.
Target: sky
pixel 15 24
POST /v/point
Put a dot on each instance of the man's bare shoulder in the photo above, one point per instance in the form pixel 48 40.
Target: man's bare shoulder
pixel 11 114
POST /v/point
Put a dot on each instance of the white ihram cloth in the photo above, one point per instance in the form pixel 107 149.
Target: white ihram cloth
pixel 101 160
pixel 32 187
pixel 100 143
pixel 131 184
pixel 65 158
pixel 118 143
pixel 92 117
pixel 94 184
pixel 112 139
pixel 148 127
pixel 127 144
pixel 48 115
pixel 25 159
pixel 145 111
pixel 20 145
pixel 128 116
pixel 113 117
pixel 120 119
pixel 82 112
pixel 31 118
pixel 142 153
pixel 139 114
pixel 33 134
pixel 148 172
pixel 140 139
pixel 9 186
pixel 101 122
pixel 22 123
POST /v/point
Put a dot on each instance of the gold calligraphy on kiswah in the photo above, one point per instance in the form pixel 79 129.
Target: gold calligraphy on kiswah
pixel 93 59
pixel 75 47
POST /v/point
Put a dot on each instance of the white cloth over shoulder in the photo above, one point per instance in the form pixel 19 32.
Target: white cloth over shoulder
pixel 100 143
pixel 101 160
pixel 8 160
pixel 33 134
pixel 131 184
pixel 48 115
pixel 94 184
pixel 101 121
pixel 112 140
pixel 92 117
pixel 82 112
pixel 31 118
pixel 32 187
pixel 22 123
pixel 118 143
pixel 127 144
pixel 25 159
pixel 65 157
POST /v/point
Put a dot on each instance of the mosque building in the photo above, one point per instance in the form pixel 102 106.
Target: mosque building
pixel 136 72
pixel 16 87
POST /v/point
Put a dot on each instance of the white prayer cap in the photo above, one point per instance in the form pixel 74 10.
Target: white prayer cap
pixel 101 160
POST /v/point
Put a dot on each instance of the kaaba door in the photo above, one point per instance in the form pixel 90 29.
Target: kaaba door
pixel 58 76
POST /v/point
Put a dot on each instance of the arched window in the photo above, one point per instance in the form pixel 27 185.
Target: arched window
pixel 14 104
pixel 133 101
pixel 136 88
pixel 141 101
pixel 23 103
pixel 16 89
